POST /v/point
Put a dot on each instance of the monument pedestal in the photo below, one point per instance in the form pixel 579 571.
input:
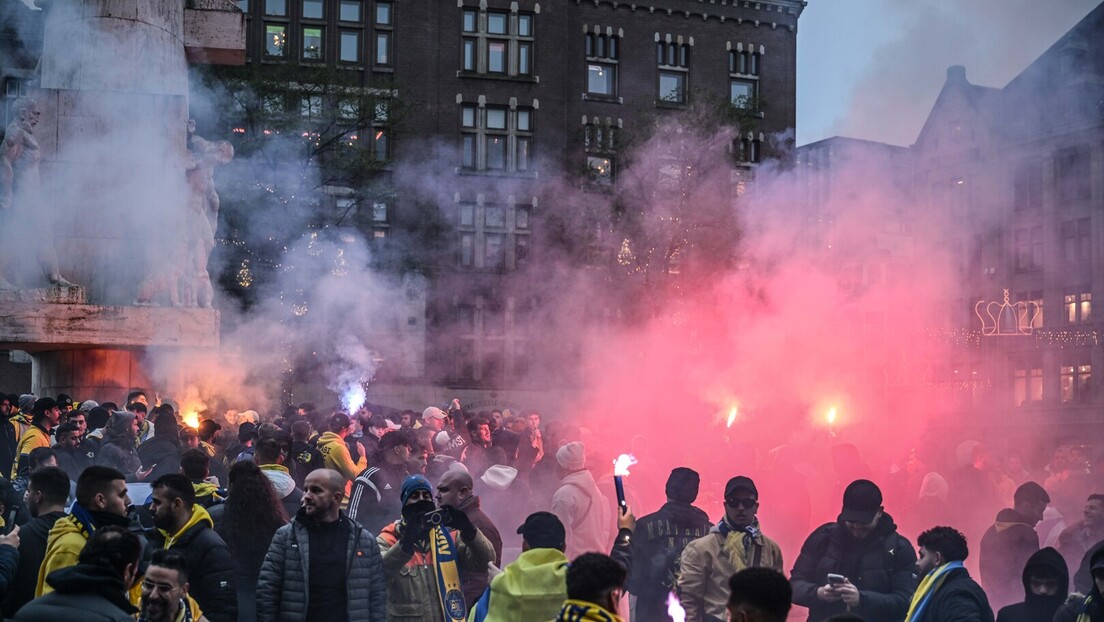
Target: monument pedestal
pixel 99 352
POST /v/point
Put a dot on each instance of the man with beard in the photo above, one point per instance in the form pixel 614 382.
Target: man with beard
pixel 102 501
pixel 946 593
pixel 660 539
pixel 322 565
pixel 1078 538
pixel 165 591
pixel 1046 586
pixel 735 543
pixel 69 456
pixel 186 527
pixel 425 553
pixel 871 564
pixel 455 489
pixel 46 495
pixel 1010 542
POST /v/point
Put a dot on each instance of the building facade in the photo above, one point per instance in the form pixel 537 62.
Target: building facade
pixel 506 102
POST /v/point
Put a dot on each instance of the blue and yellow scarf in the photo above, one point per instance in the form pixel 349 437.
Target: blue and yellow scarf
pixel 582 611
pixel 931 583
pixel 443 556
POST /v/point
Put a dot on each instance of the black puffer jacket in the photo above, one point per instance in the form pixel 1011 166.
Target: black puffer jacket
pixel 959 599
pixel 282 588
pixel 210 565
pixel 882 566
pixel 86 592
pixel 163 451
pixel 1092 605
pixel 1005 548
pixel 1035 608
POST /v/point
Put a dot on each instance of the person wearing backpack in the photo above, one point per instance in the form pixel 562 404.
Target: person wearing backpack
pixel 736 542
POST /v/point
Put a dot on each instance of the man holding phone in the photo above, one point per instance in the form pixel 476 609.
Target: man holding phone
pixel 858 563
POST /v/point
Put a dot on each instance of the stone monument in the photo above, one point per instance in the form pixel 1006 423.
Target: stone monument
pixel 123 193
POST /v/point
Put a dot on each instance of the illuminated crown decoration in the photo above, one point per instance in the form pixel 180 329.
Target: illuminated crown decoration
pixel 1006 319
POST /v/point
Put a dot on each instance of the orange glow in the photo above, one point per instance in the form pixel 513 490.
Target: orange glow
pixel 191 419
pixel 831 416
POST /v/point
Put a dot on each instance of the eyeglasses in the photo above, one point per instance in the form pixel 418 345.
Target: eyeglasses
pixel 745 503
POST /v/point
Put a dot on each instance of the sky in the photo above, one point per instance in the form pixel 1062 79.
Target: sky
pixel 873 68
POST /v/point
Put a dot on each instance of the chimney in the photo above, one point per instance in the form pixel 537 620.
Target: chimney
pixel 956 74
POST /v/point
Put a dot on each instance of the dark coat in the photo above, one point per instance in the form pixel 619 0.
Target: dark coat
pixel 472 584
pixel 210 568
pixel 1077 605
pixel 1005 549
pixel 73 462
pixel 164 451
pixel 1039 608
pixel 959 599
pixel 657 544
pixel 119 455
pixel 85 592
pixel 32 550
pixel 1082 578
pixel 882 566
pixel 374 501
pixel 283 586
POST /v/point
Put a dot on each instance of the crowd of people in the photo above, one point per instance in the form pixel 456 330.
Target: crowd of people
pixel 123 513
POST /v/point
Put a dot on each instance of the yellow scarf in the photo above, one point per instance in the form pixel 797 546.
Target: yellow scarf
pixel 582 611
pixel 442 551
pixel 275 467
pixel 931 583
pixel 1084 616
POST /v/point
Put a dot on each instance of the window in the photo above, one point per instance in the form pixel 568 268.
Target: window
pixel 276 8
pixel 497 42
pixel 673 61
pixel 521 217
pixel 495 256
pixel 380 143
pixel 379 212
pixel 243 5
pixel 1072 174
pixel 602 53
pixel 312 44
pixel 383 48
pixel 312 9
pixel 467 249
pixel 1075 383
pixel 310 106
pixel 349 11
pixel 749 148
pixel 1076 238
pixel 350 46
pixel 1027 186
pixel 493 243
pixel 496 138
pixel 745 62
pixel 1027 386
pixel 383 13
pixel 275 40
pixel 1078 307
pixel 1029 248
pixel 1032 317
pixel 600 145
pixel 742 93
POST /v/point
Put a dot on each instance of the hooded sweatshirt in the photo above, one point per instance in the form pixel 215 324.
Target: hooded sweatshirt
pixel 210 564
pixel 290 494
pixel 1047 562
pixel 117 450
pixel 533 587
pixel 67 539
pixel 585 513
pixel 96 592
pixel 335 455
pixel 1005 549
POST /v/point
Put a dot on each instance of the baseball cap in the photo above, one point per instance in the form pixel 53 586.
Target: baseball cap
pixel 247 431
pixel 542 530
pixel 1097 561
pixel 64 401
pixel 738 483
pixel 862 501
pixel 433 413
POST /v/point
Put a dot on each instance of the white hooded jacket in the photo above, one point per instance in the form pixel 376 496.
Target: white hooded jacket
pixel 585 513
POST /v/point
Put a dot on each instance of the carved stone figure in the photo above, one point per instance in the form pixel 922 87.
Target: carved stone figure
pixel 21 205
pixel 202 215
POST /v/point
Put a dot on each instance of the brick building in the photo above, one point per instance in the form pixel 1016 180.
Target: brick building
pixel 506 101
pixel 1018 174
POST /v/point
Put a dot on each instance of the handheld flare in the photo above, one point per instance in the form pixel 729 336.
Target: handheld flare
pixel 674 608
pixel 621 469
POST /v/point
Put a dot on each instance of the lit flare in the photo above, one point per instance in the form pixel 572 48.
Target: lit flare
pixel 732 413
pixel 622 463
pixel 674 608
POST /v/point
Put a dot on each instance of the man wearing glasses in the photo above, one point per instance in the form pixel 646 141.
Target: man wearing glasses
pixel 733 544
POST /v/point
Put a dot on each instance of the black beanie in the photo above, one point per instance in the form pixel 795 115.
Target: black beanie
pixel 682 485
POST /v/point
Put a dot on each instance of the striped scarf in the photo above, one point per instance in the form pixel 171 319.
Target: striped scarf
pixel 1085 616
pixel 931 583
pixel 443 556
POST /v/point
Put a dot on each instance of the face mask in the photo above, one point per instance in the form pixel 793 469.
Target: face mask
pixel 417 508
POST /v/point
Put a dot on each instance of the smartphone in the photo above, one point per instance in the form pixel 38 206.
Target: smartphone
pixel 836 579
